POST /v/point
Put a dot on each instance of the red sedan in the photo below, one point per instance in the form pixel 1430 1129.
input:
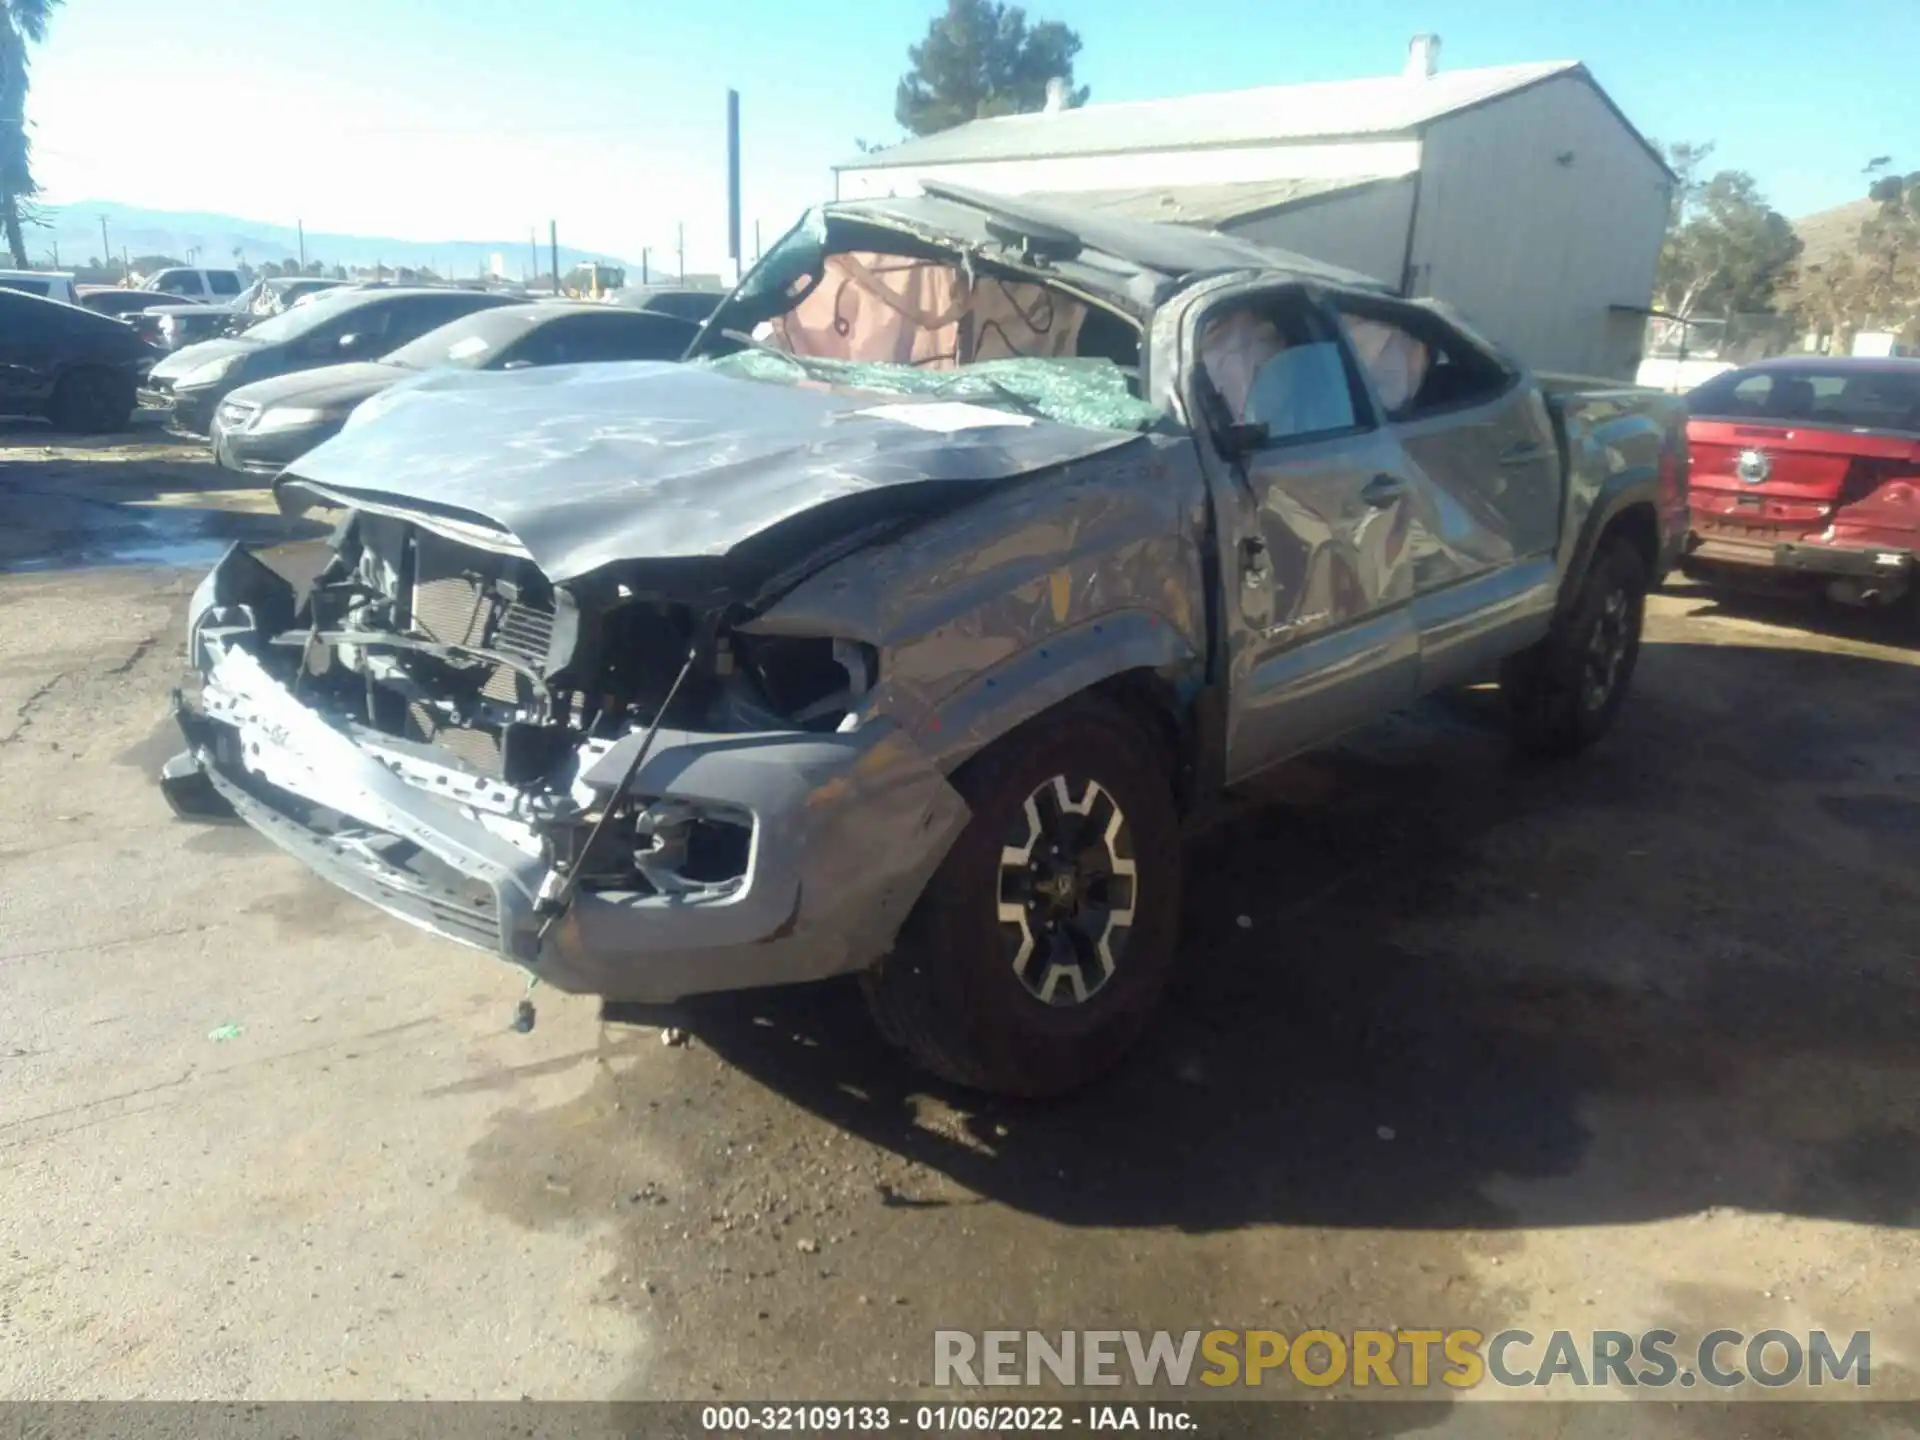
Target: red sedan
pixel 1808 468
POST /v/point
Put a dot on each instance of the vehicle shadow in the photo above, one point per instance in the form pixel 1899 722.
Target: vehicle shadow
pixel 1895 624
pixel 137 463
pixel 1435 987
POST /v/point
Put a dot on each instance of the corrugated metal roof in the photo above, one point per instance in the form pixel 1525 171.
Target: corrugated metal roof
pixel 1383 105
pixel 1204 204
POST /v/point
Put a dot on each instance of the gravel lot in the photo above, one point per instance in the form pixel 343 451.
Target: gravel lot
pixel 1622 1044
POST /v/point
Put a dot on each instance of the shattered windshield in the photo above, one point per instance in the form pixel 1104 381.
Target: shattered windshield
pixel 1092 393
pixel 932 324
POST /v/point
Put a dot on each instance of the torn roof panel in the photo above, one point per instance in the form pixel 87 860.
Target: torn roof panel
pixel 1208 204
pixel 1323 110
pixel 961 215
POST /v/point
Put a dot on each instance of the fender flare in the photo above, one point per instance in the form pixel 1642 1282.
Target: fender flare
pixel 1063 664
pixel 1608 506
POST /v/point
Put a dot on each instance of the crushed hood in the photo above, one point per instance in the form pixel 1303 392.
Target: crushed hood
pixel 589 465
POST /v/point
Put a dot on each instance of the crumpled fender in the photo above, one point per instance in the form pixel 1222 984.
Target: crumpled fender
pixel 1036 679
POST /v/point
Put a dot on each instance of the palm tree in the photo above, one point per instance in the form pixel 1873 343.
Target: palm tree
pixel 22 23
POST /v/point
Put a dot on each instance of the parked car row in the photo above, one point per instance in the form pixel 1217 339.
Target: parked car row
pixel 270 393
pixel 197 337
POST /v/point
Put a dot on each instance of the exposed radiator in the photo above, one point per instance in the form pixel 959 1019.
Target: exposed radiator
pixel 453 603
pixel 480 749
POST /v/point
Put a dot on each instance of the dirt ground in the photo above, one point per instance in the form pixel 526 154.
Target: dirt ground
pixel 1622 1044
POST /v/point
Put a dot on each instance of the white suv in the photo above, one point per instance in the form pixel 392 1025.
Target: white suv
pixel 214 286
pixel 53 284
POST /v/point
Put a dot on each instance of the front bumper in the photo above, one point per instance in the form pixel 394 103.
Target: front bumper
pixel 264 452
pixel 188 411
pixel 847 829
pixel 1799 557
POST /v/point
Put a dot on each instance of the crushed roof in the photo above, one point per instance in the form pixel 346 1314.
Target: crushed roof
pixel 1205 204
pixel 1380 105
pixel 1170 250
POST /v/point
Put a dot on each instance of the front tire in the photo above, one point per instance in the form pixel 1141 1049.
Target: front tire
pixel 1565 693
pixel 1043 943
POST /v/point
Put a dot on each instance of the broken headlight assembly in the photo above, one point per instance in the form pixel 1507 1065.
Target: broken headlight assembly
pixel 820 685
pixel 674 847
pixel 684 846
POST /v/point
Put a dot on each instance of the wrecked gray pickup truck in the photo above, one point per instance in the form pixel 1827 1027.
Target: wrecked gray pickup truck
pixel 975 548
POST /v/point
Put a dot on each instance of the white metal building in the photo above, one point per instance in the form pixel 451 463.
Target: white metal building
pixel 1519 193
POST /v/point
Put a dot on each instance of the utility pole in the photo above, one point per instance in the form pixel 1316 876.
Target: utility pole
pixel 756 242
pixel 680 247
pixel 106 250
pixel 733 181
pixel 300 229
pixel 533 254
pixel 646 253
pixel 553 253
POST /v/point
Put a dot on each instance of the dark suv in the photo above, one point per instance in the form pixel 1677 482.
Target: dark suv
pixel 73 367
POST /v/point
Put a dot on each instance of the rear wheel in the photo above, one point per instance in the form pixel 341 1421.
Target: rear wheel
pixel 91 402
pixel 1043 943
pixel 1564 693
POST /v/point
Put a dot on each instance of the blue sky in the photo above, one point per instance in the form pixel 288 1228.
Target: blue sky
pixel 475 119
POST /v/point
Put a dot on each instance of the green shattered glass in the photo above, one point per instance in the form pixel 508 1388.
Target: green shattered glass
pixel 1090 393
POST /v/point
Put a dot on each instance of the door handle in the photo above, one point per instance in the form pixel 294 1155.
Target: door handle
pixel 1524 453
pixel 1383 490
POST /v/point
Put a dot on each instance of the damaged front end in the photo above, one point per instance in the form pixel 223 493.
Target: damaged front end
pixel 630 795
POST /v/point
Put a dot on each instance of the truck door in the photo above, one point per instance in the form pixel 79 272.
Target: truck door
pixel 1488 491
pixel 1310 497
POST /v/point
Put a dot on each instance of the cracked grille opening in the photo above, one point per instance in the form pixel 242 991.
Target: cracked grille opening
pixel 461 596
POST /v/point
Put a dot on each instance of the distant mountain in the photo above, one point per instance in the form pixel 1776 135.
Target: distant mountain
pixel 1828 233
pixel 75 229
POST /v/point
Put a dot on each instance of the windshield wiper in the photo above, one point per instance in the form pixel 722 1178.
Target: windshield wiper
pixel 1012 397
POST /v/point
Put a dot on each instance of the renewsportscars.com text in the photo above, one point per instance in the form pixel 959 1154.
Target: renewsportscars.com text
pixel 1459 1359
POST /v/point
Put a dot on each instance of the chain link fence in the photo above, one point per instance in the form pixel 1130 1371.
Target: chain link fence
pixel 1733 339
pixel 1679 354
